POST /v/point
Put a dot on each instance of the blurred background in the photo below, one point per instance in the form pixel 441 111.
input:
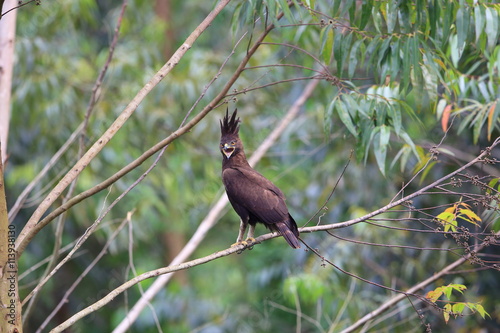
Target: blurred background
pixel 61 47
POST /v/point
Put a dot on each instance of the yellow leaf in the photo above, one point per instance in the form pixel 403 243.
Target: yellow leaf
pixel 471 215
pixel 440 63
pixel 433 295
pixel 446 312
pixel 451 209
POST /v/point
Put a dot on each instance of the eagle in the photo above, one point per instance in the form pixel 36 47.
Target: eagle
pixel 253 197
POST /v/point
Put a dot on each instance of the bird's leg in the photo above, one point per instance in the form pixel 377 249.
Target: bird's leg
pixel 241 233
pixel 251 231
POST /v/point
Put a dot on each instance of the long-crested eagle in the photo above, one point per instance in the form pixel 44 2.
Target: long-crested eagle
pixel 252 196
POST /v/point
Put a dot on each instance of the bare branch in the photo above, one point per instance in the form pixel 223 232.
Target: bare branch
pixel 396 299
pixel 211 217
pixel 176 267
pixel 68 292
pixel 31 228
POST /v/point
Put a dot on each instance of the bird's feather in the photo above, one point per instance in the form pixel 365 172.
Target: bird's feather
pixel 253 196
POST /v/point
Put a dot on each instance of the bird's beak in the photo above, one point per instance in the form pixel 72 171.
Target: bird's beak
pixel 227 150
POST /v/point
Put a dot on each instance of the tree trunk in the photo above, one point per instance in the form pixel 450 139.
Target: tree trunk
pixel 10 304
pixel 7 34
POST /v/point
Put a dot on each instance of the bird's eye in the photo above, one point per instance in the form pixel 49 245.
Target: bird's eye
pixel 233 143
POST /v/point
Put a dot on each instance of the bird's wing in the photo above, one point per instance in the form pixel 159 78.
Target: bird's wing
pixel 247 188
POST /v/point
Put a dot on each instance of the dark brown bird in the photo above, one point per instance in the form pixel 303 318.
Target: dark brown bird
pixel 252 196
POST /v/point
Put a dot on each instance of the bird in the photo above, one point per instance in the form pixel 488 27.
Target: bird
pixel 253 197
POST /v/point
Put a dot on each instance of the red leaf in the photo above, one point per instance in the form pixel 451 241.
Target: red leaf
pixel 490 118
pixel 446 117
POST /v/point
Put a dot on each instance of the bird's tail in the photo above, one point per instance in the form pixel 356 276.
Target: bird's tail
pixel 288 229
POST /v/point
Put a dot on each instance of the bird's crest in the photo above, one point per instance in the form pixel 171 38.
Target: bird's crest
pixel 230 125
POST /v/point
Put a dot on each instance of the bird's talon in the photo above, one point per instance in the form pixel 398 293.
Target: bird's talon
pixel 250 240
pixel 239 243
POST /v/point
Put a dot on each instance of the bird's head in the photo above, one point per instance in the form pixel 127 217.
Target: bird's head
pixel 229 146
pixel 230 143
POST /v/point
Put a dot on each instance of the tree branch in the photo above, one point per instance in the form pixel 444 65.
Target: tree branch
pixel 31 228
pixel 393 301
pixel 236 249
pixel 211 218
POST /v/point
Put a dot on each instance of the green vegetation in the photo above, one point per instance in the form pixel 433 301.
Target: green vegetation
pixel 408 89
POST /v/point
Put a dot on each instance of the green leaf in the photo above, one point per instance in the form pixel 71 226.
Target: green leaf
pixel 346 7
pixel 328 119
pixel 366 13
pixel 395 59
pixel 410 143
pixel 492 185
pixel 458 307
pixel 405 75
pixel 479 20
pixel 353 58
pixel 326 38
pixel 272 11
pixel 458 287
pixel 391 16
pixel 338 52
pixel 491 29
pixel 448 16
pixel 440 108
pixel 335 7
pixel 463 20
pixel 395 114
pixel 380 146
pixel 286 11
pixel 455 53
pixel 448 219
pixel 403 155
pixel 481 311
pixel 403 15
pixel 415 58
pixel 344 116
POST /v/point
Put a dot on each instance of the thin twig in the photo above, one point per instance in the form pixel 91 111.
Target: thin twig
pixel 20 4
pixel 396 299
pixel 75 248
pixel 21 199
pixel 324 206
pixel 68 292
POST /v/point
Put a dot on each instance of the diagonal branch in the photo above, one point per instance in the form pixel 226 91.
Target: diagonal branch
pixel 211 218
pixel 396 299
pixel 31 229
pixel 174 267
pixel 90 107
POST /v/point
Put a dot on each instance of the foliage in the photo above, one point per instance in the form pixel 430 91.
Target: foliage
pixel 409 86
pixel 456 308
pixel 459 210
